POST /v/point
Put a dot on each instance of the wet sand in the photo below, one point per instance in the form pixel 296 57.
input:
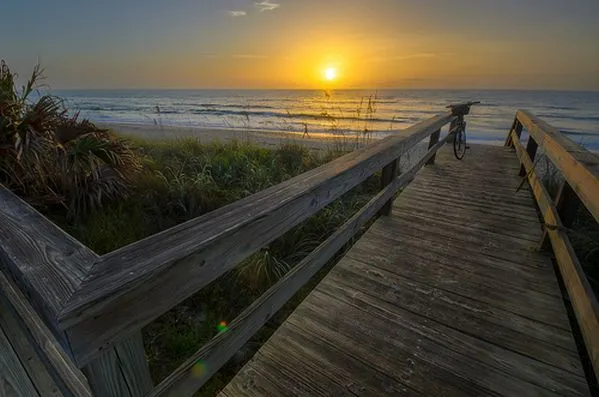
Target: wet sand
pixel 259 137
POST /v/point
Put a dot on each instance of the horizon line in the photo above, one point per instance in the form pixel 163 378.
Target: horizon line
pixel 324 89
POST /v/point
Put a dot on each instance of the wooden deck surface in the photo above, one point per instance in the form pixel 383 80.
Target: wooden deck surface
pixel 445 297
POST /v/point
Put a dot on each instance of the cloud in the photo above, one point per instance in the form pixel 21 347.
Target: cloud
pixel 237 13
pixel 266 5
pixel 376 60
pixel 417 55
pixel 249 56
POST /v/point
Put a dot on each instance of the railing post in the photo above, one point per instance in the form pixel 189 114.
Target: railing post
pixel 517 127
pixel 567 204
pixel 531 149
pixel 432 142
pixel 389 173
pixel 122 371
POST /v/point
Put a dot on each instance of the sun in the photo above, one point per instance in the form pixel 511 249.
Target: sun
pixel 330 74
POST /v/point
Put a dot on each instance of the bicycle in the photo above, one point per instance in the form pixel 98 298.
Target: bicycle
pixel 458 128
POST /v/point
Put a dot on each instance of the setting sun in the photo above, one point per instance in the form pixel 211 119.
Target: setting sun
pixel 330 74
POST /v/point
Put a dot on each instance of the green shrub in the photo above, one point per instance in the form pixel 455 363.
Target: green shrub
pixel 52 159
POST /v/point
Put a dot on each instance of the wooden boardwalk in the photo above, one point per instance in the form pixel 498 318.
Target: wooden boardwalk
pixel 447 296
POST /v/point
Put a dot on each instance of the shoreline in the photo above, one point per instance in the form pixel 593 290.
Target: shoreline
pixel 265 138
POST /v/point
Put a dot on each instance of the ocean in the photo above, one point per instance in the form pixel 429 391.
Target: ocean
pixel 343 112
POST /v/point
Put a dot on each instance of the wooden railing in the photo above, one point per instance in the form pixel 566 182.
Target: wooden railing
pixel 95 306
pixel 19 318
pixel 580 170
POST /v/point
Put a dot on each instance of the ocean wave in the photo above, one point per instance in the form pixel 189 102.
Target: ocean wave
pixel 568 117
pixel 554 107
pixel 289 115
pixel 580 133
pixel 224 105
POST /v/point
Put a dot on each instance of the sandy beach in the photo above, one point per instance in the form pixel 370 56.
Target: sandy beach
pixel 316 141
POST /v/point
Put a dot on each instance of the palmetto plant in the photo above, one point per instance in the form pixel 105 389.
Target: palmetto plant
pixel 51 158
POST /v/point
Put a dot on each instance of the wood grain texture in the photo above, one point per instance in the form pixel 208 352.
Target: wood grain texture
pixel 388 174
pixel 122 371
pixel 431 305
pixel 49 264
pixel 433 141
pixel 578 166
pixel 14 381
pixel 184 381
pixel 134 366
pixel 30 360
pixel 584 301
pixel 137 283
pixel 57 363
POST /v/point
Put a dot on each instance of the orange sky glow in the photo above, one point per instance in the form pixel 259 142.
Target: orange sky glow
pixel 543 44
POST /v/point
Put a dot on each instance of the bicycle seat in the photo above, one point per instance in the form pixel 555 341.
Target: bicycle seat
pixel 461 109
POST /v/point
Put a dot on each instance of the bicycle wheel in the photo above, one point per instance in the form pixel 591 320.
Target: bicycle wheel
pixel 459 143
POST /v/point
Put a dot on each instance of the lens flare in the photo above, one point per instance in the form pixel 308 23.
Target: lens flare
pixel 222 326
pixel 199 369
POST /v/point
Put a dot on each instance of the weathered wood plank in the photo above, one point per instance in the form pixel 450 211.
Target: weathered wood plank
pixel 357 375
pixel 580 292
pixel 50 265
pixel 473 286
pixel 33 365
pixel 255 384
pixel 137 283
pixel 47 262
pixel 66 375
pixel 447 347
pixel 469 216
pixel 392 353
pixel 388 174
pixel 579 166
pixel 14 381
pixel 486 321
pixel 134 366
pixel 183 381
pixel 436 303
pixel 507 274
pixel 469 243
pixel 433 141
pixel 122 371
pixel 418 349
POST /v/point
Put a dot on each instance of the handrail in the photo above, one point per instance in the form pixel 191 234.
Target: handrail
pixel 580 169
pixel 132 286
pixel 579 166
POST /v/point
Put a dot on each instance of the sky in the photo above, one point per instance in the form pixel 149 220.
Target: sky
pixel 467 44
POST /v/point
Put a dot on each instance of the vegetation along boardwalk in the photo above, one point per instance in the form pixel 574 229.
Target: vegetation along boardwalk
pixel 452 291
pixel 446 296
